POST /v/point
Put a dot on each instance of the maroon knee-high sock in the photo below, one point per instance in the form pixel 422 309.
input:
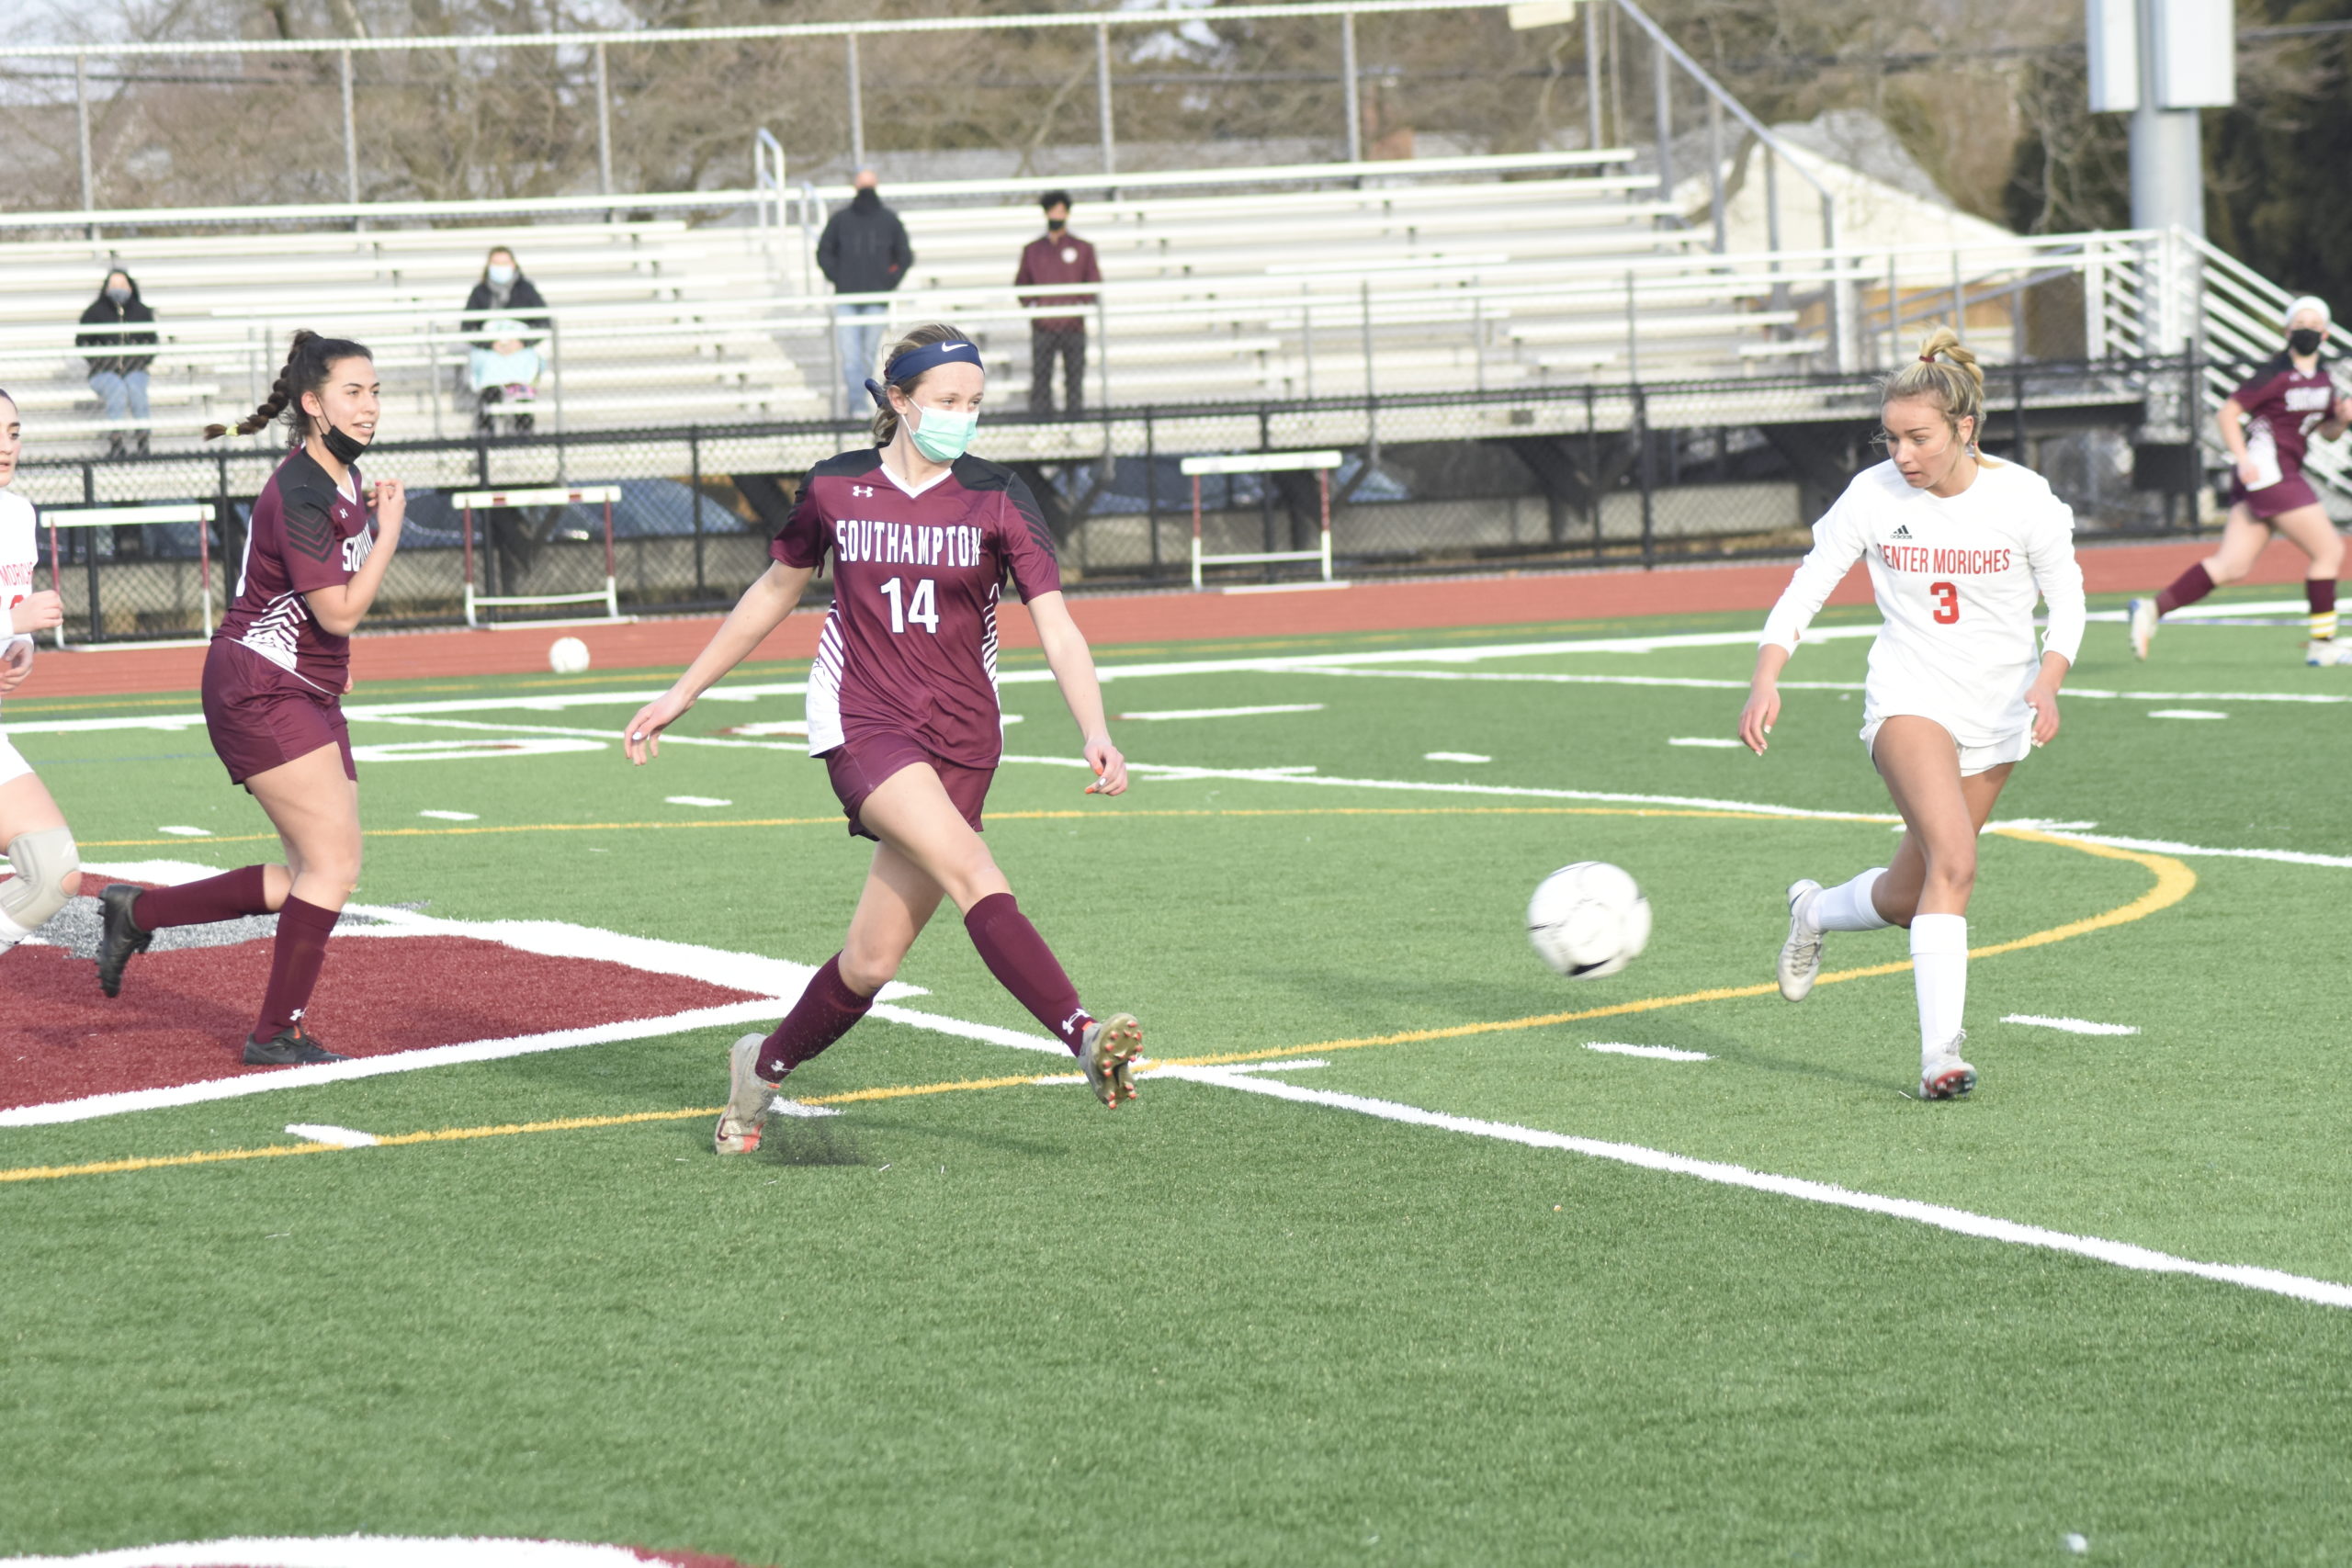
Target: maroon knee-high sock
pixel 822 1015
pixel 1025 966
pixel 2187 589
pixel 222 898
pixel 2320 593
pixel 294 964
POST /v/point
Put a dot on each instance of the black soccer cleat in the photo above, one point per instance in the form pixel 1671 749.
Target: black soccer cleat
pixel 120 937
pixel 292 1047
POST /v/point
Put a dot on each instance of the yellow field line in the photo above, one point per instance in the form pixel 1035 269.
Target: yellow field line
pixel 1094 814
pixel 2173 883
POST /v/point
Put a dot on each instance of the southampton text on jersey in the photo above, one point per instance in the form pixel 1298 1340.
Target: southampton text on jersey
pixel 906 543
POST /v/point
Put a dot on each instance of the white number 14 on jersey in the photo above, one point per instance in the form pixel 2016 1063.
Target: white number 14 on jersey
pixel 921 607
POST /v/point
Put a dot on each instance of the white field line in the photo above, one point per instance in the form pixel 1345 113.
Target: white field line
pixel 1709 743
pixel 322 1132
pixel 2213 611
pixel 2093 693
pixel 2071 1025
pixel 1160 714
pixel 2187 713
pixel 351 1551
pixel 1660 1053
pixel 1162 772
pixel 2123 1255
pixel 758 690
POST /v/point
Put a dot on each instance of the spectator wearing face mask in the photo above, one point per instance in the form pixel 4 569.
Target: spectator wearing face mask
pixel 1056 257
pixel 864 250
pixel 118 319
pixel 504 321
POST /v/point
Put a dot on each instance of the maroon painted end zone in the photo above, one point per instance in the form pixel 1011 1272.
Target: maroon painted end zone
pixel 183 1015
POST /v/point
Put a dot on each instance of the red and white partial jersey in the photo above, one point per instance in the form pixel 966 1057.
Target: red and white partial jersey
pixel 1956 579
pixel 19 553
pixel 910 645
pixel 305 534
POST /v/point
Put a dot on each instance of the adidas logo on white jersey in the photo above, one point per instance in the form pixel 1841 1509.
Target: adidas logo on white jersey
pixel 1901 531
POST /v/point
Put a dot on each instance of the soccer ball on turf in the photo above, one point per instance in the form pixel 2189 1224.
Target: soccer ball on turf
pixel 567 656
pixel 1588 919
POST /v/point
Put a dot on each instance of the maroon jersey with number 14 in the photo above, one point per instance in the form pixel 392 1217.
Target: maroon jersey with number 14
pixel 910 645
pixel 305 534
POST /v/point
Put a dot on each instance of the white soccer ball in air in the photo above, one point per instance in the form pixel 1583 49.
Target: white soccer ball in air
pixel 567 656
pixel 1588 919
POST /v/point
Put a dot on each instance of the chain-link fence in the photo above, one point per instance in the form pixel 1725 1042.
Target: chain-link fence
pixel 1569 475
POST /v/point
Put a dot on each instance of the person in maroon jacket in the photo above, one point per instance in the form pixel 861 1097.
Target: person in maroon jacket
pixel 2267 424
pixel 316 550
pixel 902 709
pixel 1056 257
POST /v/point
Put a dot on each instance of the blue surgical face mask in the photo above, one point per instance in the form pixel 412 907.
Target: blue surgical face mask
pixel 501 276
pixel 942 434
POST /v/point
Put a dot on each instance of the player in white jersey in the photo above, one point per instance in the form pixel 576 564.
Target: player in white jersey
pixel 45 868
pixel 1960 546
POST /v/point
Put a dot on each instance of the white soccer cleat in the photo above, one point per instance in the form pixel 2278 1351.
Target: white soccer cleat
pixel 2141 613
pixel 1801 954
pixel 1944 1076
pixel 2321 651
pixel 748 1099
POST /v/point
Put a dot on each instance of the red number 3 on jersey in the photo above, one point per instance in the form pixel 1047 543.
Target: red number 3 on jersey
pixel 1947 595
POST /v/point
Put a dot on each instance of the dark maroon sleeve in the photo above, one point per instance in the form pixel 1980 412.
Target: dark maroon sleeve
pixel 2262 390
pixel 1093 268
pixel 309 544
pixel 807 535
pixel 1025 276
pixel 1029 555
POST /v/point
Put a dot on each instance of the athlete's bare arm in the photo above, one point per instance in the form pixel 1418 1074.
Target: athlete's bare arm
pixel 773 595
pixel 1073 666
pixel 340 609
pixel 2231 420
pixel 2043 697
pixel 1763 707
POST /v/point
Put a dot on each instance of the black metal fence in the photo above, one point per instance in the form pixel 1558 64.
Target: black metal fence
pixel 1529 477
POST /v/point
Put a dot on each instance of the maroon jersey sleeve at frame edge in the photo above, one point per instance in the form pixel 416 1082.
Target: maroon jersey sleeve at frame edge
pixel 1029 558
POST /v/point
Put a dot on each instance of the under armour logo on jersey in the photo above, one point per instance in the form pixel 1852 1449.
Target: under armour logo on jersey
pixel 1901 531
pixel 861 490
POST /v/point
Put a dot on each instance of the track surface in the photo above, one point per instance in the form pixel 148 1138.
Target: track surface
pixel 1112 619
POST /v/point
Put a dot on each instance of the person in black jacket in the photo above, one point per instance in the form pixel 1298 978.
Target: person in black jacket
pixel 864 250
pixel 116 320
pixel 500 315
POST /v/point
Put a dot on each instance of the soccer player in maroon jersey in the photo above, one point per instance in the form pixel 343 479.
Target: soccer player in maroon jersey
pixel 274 680
pixel 2267 425
pixel 903 707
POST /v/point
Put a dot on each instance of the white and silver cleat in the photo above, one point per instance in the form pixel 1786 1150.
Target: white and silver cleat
pixel 748 1100
pixel 2322 651
pixel 1801 954
pixel 2142 615
pixel 1944 1076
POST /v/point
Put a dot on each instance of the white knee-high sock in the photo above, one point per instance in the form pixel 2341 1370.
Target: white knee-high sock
pixel 1939 973
pixel 1847 906
pixel 11 934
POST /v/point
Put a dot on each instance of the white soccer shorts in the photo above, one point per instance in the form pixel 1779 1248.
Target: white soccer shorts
pixel 1973 759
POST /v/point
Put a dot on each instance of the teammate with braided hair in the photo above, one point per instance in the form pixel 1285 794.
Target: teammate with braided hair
pixel 46 869
pixel 274 679
pixel 1960 547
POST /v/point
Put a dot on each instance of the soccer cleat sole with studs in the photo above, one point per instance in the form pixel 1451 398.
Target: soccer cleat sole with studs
pixel 1108 1053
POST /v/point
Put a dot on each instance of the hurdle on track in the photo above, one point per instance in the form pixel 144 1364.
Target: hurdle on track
pixel 608 596
pixel 197 511
pixel 1322 463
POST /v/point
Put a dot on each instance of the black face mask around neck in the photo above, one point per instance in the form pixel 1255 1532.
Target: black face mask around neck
pixel 2304 340
pixel 344 448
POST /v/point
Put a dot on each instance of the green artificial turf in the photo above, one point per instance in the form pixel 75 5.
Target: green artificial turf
pixel 1001 1326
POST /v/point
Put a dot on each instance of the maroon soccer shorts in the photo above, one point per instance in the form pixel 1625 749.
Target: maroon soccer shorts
pixel 859 764
pixel 2288 493
pixel 257 722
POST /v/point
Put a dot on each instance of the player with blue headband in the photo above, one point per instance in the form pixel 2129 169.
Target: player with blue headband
pixel 902 709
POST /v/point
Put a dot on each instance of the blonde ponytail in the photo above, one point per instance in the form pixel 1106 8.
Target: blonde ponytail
pixel 1947 375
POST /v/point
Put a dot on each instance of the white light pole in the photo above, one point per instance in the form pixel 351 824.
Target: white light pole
pixel 2160 61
